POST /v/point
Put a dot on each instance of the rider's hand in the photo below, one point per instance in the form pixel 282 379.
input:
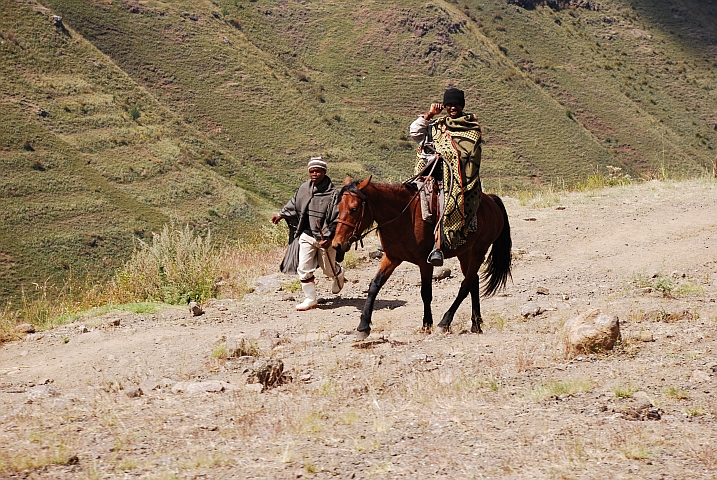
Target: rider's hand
pixel 326 243
pixel 275 219
pixel 435 109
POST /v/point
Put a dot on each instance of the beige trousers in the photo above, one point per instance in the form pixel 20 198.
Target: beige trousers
pixel 311 256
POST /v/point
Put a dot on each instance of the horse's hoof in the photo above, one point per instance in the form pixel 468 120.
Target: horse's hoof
pixel 440 329
pixel 476 330
pixel 360 336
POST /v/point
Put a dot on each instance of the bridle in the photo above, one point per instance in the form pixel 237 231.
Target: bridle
pixel 356 236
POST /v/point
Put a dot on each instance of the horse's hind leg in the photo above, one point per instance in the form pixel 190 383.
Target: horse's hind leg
pixel 476 319
pixel 466 287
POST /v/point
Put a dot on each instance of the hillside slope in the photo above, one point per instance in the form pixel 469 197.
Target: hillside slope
pixel 91 160
pixel 561 93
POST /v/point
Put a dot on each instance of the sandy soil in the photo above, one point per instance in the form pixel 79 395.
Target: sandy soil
pixel 506 404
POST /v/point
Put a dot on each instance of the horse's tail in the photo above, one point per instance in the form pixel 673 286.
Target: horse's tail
pixel 499 261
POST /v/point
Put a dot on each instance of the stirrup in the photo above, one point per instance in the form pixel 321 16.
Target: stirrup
pixel 435 258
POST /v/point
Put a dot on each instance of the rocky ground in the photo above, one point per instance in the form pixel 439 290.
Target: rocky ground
pixel 155 395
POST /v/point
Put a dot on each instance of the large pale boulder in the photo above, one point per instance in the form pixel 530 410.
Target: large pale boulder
pixel 592 331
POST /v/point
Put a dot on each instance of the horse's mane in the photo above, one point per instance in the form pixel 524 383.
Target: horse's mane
pixel 352 187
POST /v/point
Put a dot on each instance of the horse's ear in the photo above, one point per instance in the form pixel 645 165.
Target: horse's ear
pixel 365 183
pixel 348 180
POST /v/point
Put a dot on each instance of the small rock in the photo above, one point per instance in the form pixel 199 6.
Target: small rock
pixel 268 372
pixel 565 297
pixel 83 329
pixel 531 309
pixel 133 392
pixel 114 322
pixel 542 291
pixel 698 376
pixel 644 410
pixel 530 219
pixel 198 387
pixel 56 20
pixel 254 387
pixel 41 391
pixel 147 386
pixel 418 358
pixel 646 337
pixel 592 331
pixel 195 309
pixel 441 273
pixel 268 284
pixel 375 255
pixel 25 328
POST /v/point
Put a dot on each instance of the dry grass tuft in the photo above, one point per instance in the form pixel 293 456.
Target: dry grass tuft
pixel 676 393
pixel 557 388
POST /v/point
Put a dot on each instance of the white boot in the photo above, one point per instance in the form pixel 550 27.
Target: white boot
pixel 338 281
pixel 309 302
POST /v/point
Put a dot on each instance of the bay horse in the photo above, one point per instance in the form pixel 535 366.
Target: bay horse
pixel 406 237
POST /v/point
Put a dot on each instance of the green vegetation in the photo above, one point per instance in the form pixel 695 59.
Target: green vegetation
pixel 658 282
pixel 555 388
pixel 676 393
pixel 623 391
pixel 177 267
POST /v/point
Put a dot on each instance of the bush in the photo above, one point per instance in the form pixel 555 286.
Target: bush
pixel 134 113
pixel 178 267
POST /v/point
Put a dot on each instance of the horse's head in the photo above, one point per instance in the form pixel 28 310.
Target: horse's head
pixel 354 215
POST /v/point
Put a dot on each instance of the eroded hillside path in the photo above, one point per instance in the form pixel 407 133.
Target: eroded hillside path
pixel 506 404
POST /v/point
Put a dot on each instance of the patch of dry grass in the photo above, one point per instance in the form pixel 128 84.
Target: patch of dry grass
pixel 556 388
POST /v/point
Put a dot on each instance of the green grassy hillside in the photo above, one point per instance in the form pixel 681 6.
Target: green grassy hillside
pixel 91 160
pixel 561 94
pixel 202 109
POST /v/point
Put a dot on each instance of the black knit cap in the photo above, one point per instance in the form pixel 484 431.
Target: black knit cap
pixel 453 96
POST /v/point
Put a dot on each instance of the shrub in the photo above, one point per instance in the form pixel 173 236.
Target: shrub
pixel 178 267
pixel 134 113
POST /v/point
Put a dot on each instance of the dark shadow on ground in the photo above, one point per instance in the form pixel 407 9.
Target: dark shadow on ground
pixel 359 303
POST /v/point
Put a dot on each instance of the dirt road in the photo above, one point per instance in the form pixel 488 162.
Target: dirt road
pixel 505 404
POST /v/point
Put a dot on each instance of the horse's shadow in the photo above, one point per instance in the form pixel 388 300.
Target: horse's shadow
pixel 359 303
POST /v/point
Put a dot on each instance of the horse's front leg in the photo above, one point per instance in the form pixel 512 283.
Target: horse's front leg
pixel 384 272
pixel 466 287
pixel 427 296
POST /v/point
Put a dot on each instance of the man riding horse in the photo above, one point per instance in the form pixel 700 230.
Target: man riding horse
pixel 449 154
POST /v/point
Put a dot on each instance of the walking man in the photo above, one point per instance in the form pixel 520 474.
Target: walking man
pixel 311 216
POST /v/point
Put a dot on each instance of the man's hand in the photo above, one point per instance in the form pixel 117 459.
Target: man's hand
pixel 435 109
pixel 276 218
pixel 325 243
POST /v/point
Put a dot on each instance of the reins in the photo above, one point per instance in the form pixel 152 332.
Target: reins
pixel 357 237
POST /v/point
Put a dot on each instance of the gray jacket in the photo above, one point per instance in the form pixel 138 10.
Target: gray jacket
pixel 313 210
